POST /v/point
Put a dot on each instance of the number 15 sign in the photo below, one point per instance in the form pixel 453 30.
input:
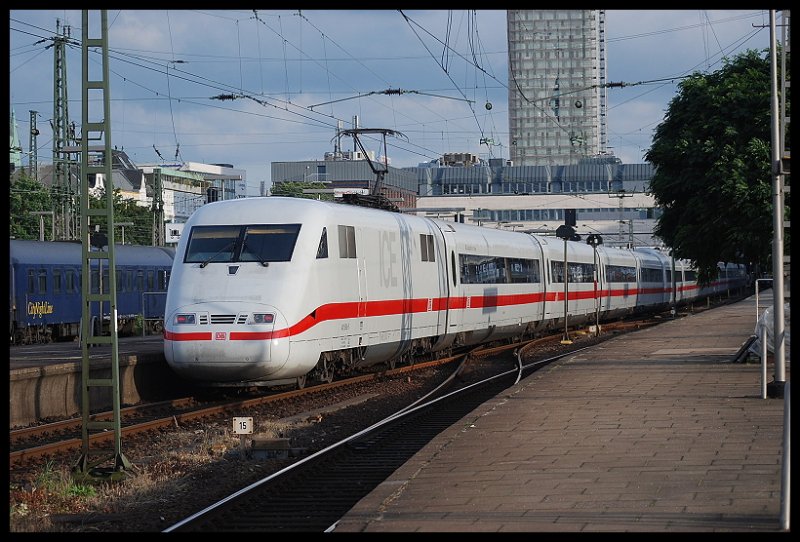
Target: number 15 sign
pixel 243 426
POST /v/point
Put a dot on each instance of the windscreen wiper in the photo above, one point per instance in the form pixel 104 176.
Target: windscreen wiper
pixel 217 253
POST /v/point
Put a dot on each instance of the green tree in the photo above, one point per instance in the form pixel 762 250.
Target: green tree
pixel 712 158
pixel 27 195
pixel 127 210
pixel 294 189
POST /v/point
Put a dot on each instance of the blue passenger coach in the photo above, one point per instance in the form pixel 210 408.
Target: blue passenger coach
pixel 45 289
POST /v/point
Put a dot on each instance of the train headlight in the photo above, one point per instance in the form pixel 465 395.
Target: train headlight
pixel 262 318
pixel 185 319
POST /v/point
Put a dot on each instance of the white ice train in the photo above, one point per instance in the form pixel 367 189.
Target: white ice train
pixel 268 291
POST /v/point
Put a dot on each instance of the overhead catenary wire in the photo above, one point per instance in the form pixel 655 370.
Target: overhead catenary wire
pixel 480 128
pixel 183 74
pixel 180 72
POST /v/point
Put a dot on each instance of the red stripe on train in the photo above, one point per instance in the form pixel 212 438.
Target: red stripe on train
pixel 355 309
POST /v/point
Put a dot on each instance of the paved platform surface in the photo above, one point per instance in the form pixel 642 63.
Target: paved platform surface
pixel 656 430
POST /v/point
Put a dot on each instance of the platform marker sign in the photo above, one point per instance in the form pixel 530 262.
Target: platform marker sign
pixel 243 425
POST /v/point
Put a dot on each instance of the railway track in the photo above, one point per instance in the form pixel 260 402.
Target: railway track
pixel 42 441
pixel 29 446
pixel 312 494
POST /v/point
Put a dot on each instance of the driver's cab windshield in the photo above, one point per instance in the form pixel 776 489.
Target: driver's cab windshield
pixel 241 243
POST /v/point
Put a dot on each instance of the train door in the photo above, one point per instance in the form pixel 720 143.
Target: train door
pixel 454 301
pixel 361 264
pixel 539 312
pixel 442 283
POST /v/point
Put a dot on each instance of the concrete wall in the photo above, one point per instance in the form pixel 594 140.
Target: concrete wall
pixel 54 391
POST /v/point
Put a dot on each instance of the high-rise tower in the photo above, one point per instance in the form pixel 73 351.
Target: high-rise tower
pixel 556 80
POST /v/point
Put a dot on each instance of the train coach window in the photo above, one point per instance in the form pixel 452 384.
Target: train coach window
pixel 578 271
pixel 94 280
pixel 139 285
pixel 477 269
pixel 426 247
pixel 652 275
pixel 120 281
pixel 42 281
pixel 151 280
pixel 31 281
pixel 72 281
pixel 347 241
pixel 620 273
pixel 322 249
pixel 523 271
pixel 163 279
pixel 57 281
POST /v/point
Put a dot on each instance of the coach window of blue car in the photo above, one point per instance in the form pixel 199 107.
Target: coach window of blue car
pixel 162 280
pixel 94 281
pixel 42 281
pixel 31 281
pixel 71 281
pixel 139 280
pixel 57 283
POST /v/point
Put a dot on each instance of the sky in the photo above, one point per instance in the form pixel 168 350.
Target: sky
pixel 249 88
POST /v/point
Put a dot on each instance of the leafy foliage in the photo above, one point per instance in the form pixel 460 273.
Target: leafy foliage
pixel 126 210
pixel 712 158
pixel 294 189
pixel 28 195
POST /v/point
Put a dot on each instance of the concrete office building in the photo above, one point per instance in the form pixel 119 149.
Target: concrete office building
pixel 556 85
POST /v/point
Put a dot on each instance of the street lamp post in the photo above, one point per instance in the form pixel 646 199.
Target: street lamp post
pixel 122 225
pixel 41 224
pixel 595 240
pixel 566 232
pixel 566 339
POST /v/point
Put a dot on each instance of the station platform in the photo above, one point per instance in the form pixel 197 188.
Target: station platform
pixel 45 380
pixel 657 430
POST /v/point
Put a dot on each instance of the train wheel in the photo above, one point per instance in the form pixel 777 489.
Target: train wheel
pixel 326 372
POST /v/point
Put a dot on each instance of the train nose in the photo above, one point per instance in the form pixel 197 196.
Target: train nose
pixel 210 343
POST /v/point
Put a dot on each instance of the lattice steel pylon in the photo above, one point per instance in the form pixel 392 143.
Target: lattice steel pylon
pixel 158 209
pixel 33 163
pixel 96 161
pixel 62 189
